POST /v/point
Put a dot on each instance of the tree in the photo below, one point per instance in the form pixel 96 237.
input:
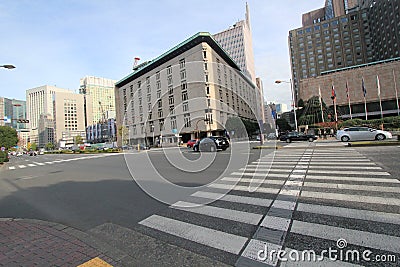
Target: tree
pixel 33 146
pixel 283 125
pixel 78 140
pixel 8 137
pixel 50 146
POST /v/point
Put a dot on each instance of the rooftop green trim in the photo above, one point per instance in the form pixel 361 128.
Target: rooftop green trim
pixel 361 65
pixel 177 50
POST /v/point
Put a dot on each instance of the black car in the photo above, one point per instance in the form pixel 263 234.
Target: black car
pixel 212 144
pixel 295 136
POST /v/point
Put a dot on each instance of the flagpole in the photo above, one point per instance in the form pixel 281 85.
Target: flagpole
pixel 397 97
pixel 365 100
pixel 334 104
pixel 348 98
pixel 320 103
pixel 378 85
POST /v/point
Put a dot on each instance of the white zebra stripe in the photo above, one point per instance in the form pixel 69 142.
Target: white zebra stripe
pixel 206 236
pixel 355 237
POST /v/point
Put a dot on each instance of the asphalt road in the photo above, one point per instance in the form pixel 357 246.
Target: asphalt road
pixel 312 195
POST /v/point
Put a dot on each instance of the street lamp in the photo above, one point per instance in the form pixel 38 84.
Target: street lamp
pixel 7 66
pixel 294 103
pixel 152 129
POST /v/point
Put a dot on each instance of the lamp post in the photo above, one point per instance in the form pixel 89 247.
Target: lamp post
pixel 8 66
pixel 294 103
pixel 152 130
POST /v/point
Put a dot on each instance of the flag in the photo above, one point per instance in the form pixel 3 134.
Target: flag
pixel 347 91
pixel 363 88
pixel 333 93
pixel 378 84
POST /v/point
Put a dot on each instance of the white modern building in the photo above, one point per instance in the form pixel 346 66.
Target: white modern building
pixel 55 106
pixel 188 92
pixel 238 42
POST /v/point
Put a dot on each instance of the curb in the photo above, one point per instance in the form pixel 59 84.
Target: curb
pixel 361 144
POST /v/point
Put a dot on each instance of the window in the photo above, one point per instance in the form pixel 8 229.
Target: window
pixel 148 80
pixel 183 74
pixel 169 70
pixel 169 79
pixel 184 96
pixel 159 103
pixel 158 84
pixel 171 99
pixel 208 90
pixel 184 86
pixel 185 106
pixel 170 90
pixel 186 119
pixel 182 63
pixel 204 54
pixel 160 113
pixel 173 123
pixel 157 75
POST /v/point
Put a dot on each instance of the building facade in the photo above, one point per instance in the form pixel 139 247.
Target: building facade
pixel 69 117
pixel 343 35
pixel 102 100
pixel 238 42
pixel 187 92
pixel 46 133
pixel 13 113
pixel 348 86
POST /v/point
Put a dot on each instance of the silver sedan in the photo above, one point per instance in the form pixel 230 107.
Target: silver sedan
pixel 362 133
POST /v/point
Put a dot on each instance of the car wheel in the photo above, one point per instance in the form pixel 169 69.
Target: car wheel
pixel 345 138
pixel 288 140
pixel 310 139
pixel 380 137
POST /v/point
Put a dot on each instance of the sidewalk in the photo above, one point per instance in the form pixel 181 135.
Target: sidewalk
pixel 25 242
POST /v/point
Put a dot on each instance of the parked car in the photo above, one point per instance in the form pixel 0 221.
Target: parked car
pixel 191 143
pixel 362 133
pixel 141 146
pixel 32 153
pixel 271 136
pixel 296 136
pixel 212 144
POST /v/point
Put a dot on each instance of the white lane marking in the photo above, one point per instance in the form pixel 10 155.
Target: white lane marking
pixel 355 237
pixel 11 168
pixel 250 180
pixel 286 205
pixel 347 172
pixel 32 165
pixel 354 179
pixel 245 188
pixel 366 215
pixel 234 198
pixel 277 175
pixel 276 223
pixel 352 198
pixel 21 166
pixel 339 160
pixel 346 167
pixel 39 163
pixel 315 163
pixel 354 187
pixel 228 214
pixel 202 235
pixel 49 162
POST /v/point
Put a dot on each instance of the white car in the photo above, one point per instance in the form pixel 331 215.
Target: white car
pixel 362 133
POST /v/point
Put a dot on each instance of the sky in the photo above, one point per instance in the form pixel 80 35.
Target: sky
pixel 60 41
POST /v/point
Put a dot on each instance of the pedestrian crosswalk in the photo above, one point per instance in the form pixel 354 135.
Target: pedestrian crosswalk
pixel 29 164
pixel 305 199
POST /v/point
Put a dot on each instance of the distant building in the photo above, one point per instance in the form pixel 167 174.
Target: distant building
pixel 12 111
pixel 58 107
pixel 238 42
pixel 104 132
pixel 280 108
pixel 69 116
pixel 102 101
pixel 348 41
pixel 46 130
pixel 187 92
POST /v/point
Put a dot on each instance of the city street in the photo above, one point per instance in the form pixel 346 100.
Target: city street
pixel 314 196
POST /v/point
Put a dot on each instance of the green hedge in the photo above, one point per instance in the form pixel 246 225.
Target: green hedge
pixel 3 157
pixel 388 123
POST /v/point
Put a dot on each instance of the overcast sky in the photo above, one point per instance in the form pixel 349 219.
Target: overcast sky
pixel 58 42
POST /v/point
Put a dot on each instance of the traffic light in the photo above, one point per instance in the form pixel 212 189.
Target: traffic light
pixel 22 121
